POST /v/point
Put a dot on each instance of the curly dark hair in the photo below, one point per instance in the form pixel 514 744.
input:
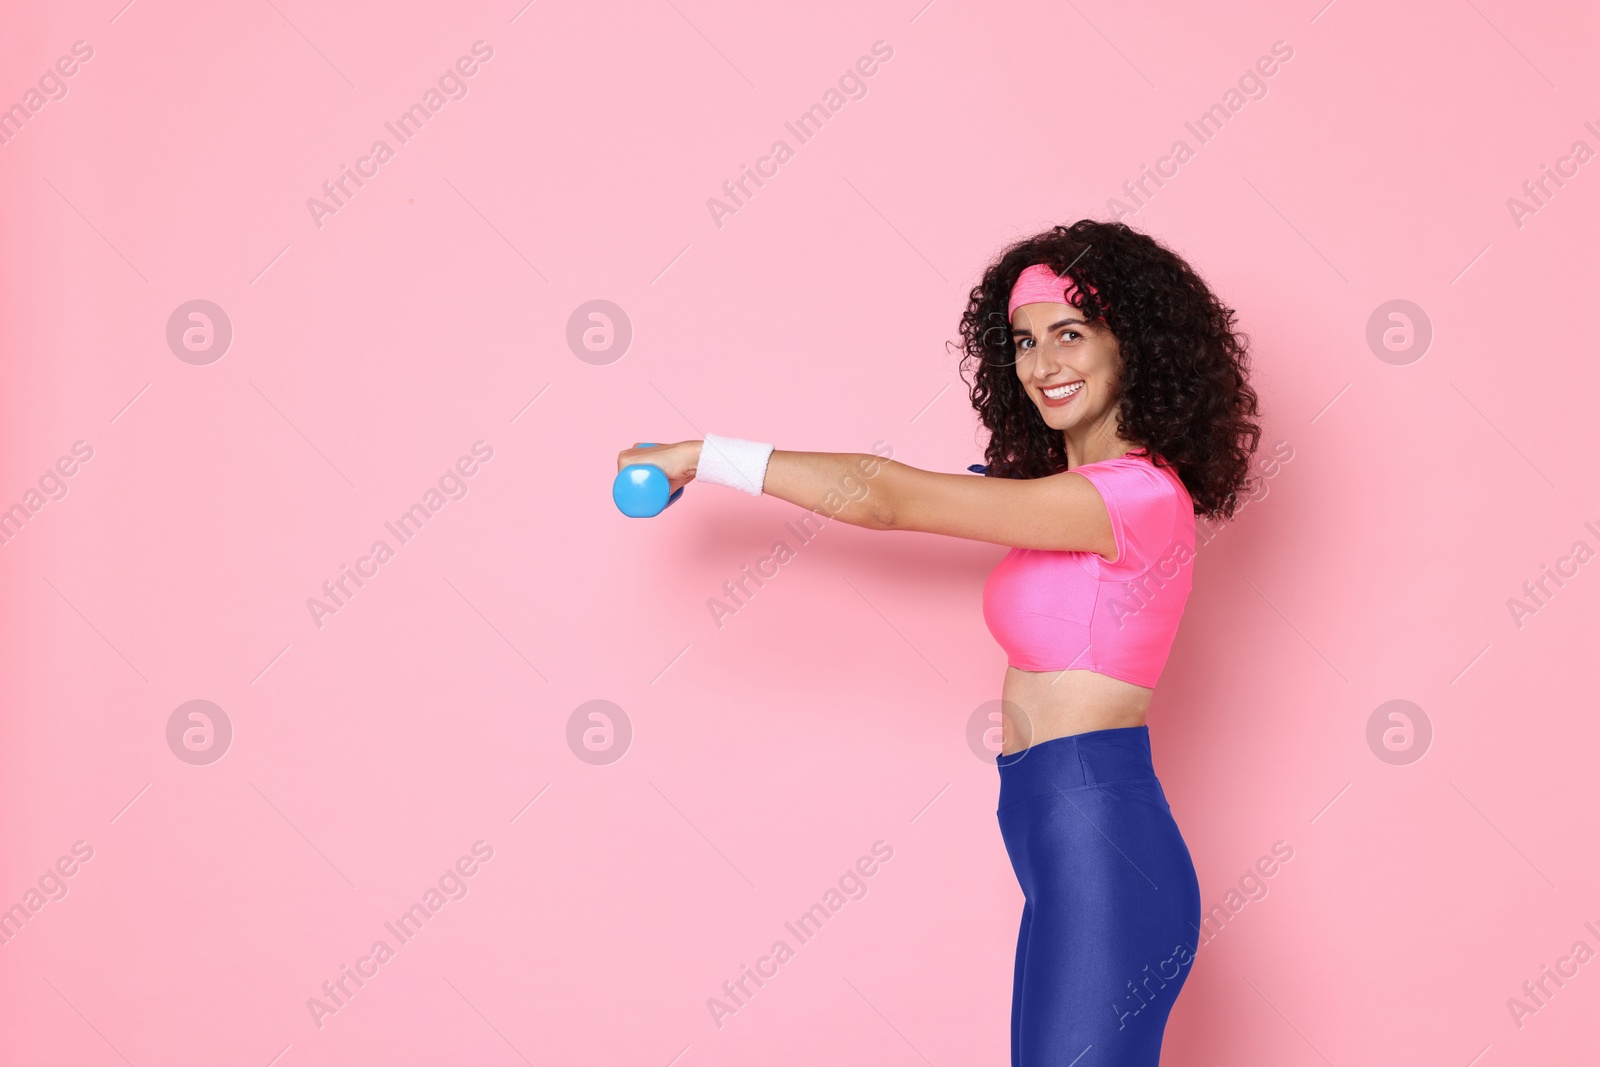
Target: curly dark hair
pixel 1184 394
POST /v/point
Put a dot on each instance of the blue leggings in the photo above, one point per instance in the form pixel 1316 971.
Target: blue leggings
pixel 1111 912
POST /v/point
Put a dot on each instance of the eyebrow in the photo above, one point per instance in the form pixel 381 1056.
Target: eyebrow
pixel 1053 326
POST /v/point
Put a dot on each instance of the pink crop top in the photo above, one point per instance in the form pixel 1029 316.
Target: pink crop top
pixel 1053 610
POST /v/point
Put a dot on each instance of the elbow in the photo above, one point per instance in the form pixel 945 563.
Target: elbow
pixel 881 512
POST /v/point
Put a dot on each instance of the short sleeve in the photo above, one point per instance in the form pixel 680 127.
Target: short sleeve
pixel 1145 508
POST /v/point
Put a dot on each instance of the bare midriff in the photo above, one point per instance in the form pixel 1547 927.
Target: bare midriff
pixel 1039 705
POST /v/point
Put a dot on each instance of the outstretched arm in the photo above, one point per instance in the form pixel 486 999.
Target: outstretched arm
pixel 1061 512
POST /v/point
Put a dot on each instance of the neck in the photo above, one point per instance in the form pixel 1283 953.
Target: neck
pixel 1096 442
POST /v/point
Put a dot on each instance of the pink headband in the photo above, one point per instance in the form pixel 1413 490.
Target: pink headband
pixel 1041 285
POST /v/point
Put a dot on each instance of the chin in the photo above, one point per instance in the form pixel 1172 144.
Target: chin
pixel 1057 419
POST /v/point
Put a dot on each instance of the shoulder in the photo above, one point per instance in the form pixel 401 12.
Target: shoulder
pixel 1134 471
pixel 1145 502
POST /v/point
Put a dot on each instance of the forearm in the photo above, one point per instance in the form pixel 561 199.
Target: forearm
pixel 849 486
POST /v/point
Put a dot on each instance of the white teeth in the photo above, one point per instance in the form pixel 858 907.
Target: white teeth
pixel 1065 390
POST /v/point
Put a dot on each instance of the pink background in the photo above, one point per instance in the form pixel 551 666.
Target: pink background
pixel 831 712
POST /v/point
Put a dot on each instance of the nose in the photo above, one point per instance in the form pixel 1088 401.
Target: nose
pixel 1045 365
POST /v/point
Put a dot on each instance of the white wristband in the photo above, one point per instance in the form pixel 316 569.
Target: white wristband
pixel 737 464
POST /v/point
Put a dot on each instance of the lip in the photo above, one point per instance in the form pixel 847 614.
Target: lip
pixel 1064 401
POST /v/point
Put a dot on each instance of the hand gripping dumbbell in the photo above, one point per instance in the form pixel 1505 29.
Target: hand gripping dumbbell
pixel 642 490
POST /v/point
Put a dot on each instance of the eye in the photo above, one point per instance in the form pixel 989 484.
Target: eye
pixel 1024 342
pixel 1076 336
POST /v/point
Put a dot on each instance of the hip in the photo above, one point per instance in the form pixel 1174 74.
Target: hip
pixel 1084 813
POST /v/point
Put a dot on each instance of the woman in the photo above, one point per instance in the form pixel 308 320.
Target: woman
pixel 1115 391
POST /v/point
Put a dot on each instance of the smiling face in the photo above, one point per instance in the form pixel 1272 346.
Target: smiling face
pixel 1070 369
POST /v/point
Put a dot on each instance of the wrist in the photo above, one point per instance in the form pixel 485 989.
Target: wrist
pixel 733 462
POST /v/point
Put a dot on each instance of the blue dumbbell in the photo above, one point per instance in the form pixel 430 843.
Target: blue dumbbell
pixel 641 489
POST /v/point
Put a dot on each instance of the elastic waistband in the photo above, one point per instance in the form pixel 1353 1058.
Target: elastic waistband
pixel 1093 758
